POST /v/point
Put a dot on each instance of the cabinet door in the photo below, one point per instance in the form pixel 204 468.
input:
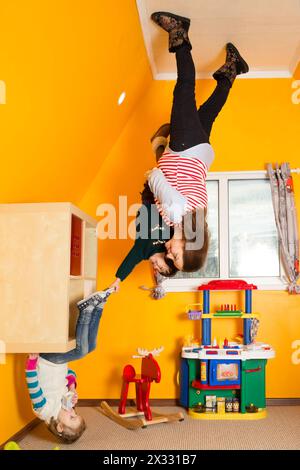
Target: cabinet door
pixel 194 374
pixel 253 383
pixel 34 277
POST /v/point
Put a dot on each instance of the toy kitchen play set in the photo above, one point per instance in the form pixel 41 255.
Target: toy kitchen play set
pixel 225 381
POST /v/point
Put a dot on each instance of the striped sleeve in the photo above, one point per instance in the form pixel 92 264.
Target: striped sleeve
pixel 35 392
pixel 188 176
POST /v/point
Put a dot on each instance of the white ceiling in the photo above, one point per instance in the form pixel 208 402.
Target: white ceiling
pixel 267 33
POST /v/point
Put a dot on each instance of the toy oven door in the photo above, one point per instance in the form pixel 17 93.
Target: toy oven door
pixel 224 372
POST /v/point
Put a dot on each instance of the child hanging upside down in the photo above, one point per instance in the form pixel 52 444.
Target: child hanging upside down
pixel 52 386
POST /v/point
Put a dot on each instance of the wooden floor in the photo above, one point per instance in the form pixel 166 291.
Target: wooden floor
pixel 280 430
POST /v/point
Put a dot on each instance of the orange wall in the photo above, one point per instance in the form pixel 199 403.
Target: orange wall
pixel 64 65
pixel 297 72
pixel 259 124
pixel 15 409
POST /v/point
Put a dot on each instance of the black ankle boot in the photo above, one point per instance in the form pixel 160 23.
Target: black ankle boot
pixel 234 65
pixel 159 140
pixel 176 26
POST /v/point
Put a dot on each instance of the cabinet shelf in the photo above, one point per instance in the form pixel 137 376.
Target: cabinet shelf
pixel 41 347
pixel 48 255
pixel 83 277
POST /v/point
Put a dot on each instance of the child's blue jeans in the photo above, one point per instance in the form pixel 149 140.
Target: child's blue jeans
pixel 86 335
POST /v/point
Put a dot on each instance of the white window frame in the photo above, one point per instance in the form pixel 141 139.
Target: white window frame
pixel 263 283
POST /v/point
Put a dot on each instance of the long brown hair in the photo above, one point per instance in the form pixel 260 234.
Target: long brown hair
pixel 194 259
pixel 172 268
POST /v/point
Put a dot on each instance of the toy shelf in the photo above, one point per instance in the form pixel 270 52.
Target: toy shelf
pixel 244 354
pixel 261 414
pixel 197 384
pixel 212 316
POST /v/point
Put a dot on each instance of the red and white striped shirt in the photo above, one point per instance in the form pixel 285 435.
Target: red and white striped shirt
pixel 187 175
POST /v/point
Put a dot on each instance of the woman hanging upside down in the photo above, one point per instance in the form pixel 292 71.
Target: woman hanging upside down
pixel 179 181
pixel 184 164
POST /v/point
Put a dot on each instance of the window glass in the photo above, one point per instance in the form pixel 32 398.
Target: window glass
pixel 253 240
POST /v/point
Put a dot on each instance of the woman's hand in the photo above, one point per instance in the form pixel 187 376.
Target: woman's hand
pixel 116 285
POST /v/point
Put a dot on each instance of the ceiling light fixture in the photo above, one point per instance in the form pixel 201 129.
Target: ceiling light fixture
pixel 121 98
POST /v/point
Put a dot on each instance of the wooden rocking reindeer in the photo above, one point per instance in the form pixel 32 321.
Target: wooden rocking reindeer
pixel 143 416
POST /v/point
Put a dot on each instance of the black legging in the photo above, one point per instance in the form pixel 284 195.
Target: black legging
pixel 190 126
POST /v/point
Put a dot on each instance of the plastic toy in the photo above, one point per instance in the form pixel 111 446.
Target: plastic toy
pixel 211 403
pixel 150 372
pixel 239 338
pixel 235 405
pixel 199 408
pixel 251 408
pixel 191 342
pixel 228 405
pixel 221 405
pixel 228 310
pixel 11 445
pixel 233 371
pixel 194 313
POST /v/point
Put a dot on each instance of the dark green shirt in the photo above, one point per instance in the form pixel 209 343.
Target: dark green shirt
pixel 151 234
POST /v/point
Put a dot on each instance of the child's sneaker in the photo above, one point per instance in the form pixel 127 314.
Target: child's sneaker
pixel 94 299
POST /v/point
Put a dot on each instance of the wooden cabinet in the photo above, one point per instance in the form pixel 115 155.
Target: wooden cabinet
pixel 48 262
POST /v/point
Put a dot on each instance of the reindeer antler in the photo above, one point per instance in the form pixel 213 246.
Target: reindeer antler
pixel 144 352
pixel 157 351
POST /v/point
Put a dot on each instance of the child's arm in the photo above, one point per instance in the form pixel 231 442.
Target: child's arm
pixel 172 202
pixel 134 257
pixel 35 392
